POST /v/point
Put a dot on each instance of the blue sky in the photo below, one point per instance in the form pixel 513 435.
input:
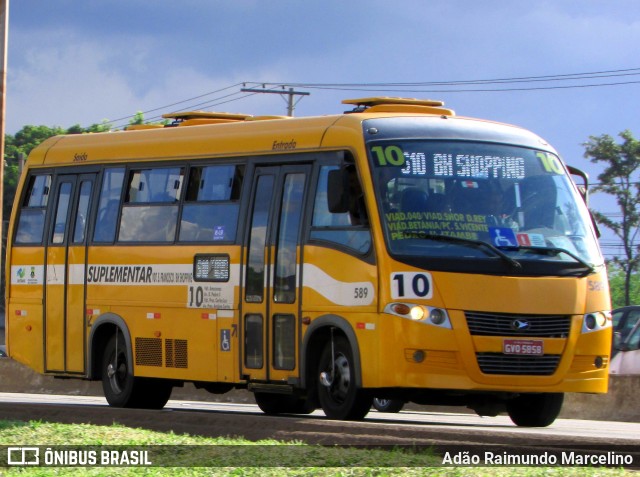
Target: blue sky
pixel 79 62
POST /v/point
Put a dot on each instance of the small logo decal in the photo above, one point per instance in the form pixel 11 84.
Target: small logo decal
pixel 520 325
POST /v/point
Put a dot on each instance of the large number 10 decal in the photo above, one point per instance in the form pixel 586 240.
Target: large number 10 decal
pixel 411 285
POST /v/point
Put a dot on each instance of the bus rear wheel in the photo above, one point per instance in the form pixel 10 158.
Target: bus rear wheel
pixel 388 405
pixel 338 394
pixel 275 404
pixel 121 388
pixel 535 410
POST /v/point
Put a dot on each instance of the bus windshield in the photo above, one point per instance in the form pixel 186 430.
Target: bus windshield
pixel 452 201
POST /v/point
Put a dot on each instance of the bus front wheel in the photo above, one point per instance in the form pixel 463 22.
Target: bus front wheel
pixel 338 394
pixel 535 410
pixel 122 388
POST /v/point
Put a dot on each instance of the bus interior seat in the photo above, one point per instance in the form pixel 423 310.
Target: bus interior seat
pixel 437 203
pixel 413 200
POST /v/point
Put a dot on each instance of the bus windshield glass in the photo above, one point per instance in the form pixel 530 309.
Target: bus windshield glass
pixel 461 200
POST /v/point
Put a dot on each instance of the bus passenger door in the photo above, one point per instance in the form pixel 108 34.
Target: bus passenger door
pixel 65 271
pixel 271 295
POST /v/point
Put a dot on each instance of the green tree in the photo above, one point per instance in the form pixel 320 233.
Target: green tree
pixel 621 179
pixel 104 126
pixel 138 118
pixel 617 279
pixel 17 148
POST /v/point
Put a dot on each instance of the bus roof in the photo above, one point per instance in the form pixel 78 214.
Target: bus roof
pixel 229 134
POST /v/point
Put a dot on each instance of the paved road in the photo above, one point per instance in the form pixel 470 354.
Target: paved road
pixel 195 417
pixel 446 434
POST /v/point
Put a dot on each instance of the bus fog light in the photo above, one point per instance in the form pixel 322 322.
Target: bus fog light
pixel 596 321
pixel 417 313
pixel 437 316
pixel 598 362
pixel 419 355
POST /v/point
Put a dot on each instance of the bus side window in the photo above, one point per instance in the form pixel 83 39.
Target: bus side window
pixel 105 229
pixel 82 214
pixel 211 208
pixel 33 211
pixel 340 228
pixel 150 210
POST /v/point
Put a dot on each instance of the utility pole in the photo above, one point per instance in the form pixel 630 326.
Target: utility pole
pixel 4 33
pixel 291 93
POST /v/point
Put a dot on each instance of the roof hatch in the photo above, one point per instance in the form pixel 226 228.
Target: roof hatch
pixel 387 104
pixel 194 118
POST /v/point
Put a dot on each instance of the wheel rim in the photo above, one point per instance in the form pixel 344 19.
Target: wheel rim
pixel 117 373
pixel 342 379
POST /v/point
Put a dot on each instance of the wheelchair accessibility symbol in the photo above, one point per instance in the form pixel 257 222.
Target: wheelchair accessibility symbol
pixel 225 340
pixel 503 237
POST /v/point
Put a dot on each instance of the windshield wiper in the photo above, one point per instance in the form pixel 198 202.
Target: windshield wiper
pixel 557 250
pixel 477 243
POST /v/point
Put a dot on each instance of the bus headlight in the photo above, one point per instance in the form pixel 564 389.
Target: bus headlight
pixel 437 316
pixel 422 314
pixel 417 313
pixel 596 321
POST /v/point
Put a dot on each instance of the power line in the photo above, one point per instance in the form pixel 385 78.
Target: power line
pixel 291 93
pixel 520 79
pixel 212 102
pixel 392 87
pixel 482 90
pixel 188 100
pixel 397 87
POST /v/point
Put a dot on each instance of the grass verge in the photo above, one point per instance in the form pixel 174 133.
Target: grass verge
pixel 184 455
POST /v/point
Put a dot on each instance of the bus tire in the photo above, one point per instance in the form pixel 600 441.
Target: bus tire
pixel 274 404
pixel 535 410
pixel 342 399
pixel 388 405
pixel 121 388
pixel 153 394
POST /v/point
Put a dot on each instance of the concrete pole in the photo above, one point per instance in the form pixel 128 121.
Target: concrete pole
pixel 291 93
pixel 4 29
pixel 4 32
pixel 290 104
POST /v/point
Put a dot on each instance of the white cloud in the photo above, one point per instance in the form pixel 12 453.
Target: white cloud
pixel 67 80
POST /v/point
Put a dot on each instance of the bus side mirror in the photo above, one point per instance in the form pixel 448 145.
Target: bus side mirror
pixel 583 184
pixel 583 189
pixel 616 340
pixel 338 191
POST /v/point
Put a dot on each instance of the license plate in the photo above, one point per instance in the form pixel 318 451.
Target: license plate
pixel 523 347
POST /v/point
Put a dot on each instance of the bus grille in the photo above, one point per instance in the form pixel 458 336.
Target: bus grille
pixel 149 351
pixel 498 363
pixel 495 324
pixel 176 353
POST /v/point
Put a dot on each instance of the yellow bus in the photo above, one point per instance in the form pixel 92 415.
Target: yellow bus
pixel 396 251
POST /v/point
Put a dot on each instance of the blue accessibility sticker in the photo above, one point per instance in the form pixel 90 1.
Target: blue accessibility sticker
pixel 503 237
